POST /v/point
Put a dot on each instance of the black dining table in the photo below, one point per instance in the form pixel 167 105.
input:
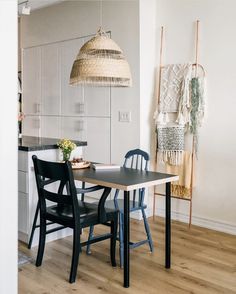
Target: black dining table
pixel 128 179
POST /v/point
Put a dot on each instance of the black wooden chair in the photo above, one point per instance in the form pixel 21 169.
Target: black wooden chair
pixel 69 212
pixel 136 159
pixel 80 192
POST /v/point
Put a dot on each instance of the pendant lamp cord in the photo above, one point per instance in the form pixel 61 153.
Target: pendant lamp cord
pixel 100 13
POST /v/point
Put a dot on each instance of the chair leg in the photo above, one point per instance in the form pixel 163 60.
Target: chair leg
pixel 33 226
pixel 147 229
pixel 42 238
pixel 113 241
pixel 75 255
pixel 91 230
pixel 121 239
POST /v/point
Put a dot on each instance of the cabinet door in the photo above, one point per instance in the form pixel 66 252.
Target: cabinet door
pixel 72 96
pixel 51 126
pixel 73 128
pixel 97 101
pixel 31 83
pixel 98 139
pixel 23 212
pixel 31 126
pixel 50 80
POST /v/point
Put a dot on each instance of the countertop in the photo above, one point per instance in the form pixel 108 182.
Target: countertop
pixel 28 143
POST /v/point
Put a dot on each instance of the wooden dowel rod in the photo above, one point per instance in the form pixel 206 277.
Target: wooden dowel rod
pixel 192 170
pixel 160 66
pixel 172 196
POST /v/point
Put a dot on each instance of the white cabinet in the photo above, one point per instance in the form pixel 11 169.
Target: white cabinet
pixel 51 126
pixel 98 139
pixel 73 128
pixel 50 78
pixel 97 101
pixel 72 96
pixel 28 196
pixel 31 125
pixel 23 213
pixel 55 109
pixel 94 130
pixel 31 78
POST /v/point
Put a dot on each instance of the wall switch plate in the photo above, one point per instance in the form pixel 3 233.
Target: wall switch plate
pixel 125 116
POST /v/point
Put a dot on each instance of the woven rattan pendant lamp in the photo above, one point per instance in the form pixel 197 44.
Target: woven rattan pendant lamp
pixel 101 62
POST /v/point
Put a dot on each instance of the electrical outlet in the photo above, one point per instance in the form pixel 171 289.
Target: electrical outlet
pixel 125 116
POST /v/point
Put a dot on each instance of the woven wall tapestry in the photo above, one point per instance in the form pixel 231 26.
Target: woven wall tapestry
pixel 174 88
pixel 170 144
pixel 172 77
pixel 174 93
pixel 181 95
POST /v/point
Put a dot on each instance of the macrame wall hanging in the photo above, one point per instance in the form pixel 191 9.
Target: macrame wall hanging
pixel 180 111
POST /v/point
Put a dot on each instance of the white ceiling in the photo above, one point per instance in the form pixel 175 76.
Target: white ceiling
pixel 37 4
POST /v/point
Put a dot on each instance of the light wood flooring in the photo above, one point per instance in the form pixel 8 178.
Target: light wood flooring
pixel 203 261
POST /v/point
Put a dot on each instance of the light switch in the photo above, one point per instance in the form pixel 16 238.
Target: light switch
pixel 125 116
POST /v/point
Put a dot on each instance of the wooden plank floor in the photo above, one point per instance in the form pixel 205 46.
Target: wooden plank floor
pixel 203 261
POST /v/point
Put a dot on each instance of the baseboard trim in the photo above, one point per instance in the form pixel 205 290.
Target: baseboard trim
pixel 198 221
pixel 51 237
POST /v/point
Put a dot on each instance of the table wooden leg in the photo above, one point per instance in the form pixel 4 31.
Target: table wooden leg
pixel 126 239
pixel 168 226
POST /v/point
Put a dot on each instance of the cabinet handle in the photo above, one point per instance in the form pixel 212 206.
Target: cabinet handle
pixel 81 107
pixel 80 125
pixel 37 108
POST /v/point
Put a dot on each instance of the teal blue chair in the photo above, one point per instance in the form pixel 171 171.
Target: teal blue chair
pixel 136 159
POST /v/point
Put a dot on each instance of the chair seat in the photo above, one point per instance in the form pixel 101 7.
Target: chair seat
pixel 88 213
pixel 133 205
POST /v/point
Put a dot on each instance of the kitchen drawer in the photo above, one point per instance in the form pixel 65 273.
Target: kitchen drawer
pixel 73 128
pixel 22 161
pixel 23 212
pixel 50 126
pixel 31 125
pixel 23 181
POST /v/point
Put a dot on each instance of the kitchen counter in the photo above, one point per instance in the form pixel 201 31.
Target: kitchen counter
pixel 45 149
pixel 27 143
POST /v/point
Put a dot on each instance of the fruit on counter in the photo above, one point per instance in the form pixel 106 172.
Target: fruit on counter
pixel 76 160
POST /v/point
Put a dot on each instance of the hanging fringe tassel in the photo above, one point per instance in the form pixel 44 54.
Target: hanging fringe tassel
pixel 170 156
pixel 180 191
pixel 161 118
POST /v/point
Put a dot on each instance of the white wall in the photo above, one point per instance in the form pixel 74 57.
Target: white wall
pixel 135 26
pixel 8 147
pixel 148 61
pixel 72 19
pixel 214 198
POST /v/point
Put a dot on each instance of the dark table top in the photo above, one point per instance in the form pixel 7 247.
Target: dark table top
pixel 126 179
pixel 28 143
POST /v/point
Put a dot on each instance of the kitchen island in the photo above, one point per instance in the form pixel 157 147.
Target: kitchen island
pixel 46 149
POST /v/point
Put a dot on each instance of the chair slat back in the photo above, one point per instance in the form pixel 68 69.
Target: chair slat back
pixel 137 159
pixel 47 173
